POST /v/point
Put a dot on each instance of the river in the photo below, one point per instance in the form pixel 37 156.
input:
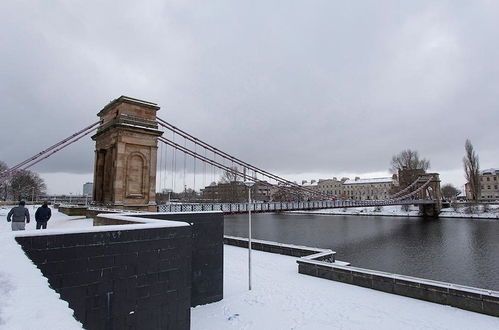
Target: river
pixel 462 251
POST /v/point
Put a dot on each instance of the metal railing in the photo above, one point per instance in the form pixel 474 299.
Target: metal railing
pixel 282 206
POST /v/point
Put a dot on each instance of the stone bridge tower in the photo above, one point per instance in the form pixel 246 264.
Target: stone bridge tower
pixel 431 192
pixel 126 144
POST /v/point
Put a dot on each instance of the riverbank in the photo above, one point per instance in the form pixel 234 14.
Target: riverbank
pixel 283 299
pixel 411 211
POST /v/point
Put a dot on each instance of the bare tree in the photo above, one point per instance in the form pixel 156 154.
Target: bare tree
pixel 229 176
pixel 472 170
pixel 188 195
pixel 230 187
pixel 3 181
pixel 26 185
pixel 409 159
pixel 449 191
pixel 286 194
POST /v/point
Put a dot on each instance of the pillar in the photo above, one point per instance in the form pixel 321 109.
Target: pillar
pixel 126 146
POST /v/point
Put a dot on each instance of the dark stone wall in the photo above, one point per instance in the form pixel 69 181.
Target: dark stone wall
pixel 476 300
pixel 274 247
pixel 207 253
pixel 120 279
pixel 73 211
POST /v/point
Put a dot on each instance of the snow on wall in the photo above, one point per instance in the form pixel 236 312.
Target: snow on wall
pixel 26 300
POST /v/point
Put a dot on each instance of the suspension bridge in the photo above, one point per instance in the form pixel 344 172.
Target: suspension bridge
pixel 137 153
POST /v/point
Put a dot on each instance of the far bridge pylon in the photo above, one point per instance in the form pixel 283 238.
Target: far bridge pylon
pixel 428 185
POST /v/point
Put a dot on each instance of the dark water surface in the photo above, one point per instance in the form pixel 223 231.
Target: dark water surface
pixel 461 251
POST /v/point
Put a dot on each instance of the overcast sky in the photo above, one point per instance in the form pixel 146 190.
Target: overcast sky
pixel 307 89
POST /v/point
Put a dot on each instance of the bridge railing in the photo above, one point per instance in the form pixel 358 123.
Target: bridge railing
pixel 283 206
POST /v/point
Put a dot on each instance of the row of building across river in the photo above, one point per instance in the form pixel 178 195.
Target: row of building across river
pixel 344 188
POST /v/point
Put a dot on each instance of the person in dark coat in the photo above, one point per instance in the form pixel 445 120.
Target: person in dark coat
pixel 19 216
pixel 42 215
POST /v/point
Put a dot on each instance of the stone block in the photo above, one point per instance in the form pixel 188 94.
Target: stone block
pixel 490 305
pixel 361 279
pixel 408 289
pixel 434 293
pixel 342 275
pixel 460 300
pixel 324 272
pixel 383 283
pixel 307 269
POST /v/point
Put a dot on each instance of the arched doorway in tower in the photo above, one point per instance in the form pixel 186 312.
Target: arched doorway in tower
pixel 136 170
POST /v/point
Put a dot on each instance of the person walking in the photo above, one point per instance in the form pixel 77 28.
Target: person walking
pixel 42 215
pixel 19 216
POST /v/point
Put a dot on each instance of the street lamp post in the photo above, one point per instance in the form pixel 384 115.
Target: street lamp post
pixel 249 184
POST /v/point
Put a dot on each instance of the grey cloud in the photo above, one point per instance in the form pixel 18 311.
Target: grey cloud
pixel 291 87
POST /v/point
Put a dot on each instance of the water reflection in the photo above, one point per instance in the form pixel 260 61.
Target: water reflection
pixel 461 251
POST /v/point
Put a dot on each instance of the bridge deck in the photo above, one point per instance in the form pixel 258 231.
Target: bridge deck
pixel 234 208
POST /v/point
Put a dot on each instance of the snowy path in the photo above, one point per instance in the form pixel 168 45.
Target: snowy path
pixel 57 221
pixel 283 299
pixel 26 300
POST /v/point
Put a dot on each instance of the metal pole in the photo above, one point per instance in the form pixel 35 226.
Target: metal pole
pixel 249 238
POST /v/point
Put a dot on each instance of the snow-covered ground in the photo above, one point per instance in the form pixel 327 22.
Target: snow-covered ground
pixel 57 221
pixel 412 211
pixel 26 300
pixel 283 299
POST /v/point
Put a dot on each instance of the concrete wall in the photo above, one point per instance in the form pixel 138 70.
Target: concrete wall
pixel 472 299
pixel 119 279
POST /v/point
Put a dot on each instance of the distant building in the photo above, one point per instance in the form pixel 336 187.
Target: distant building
pixel 236 192
pixel 331 187
pixel 368 189
pixel 489 181
pixel 359 189
pixel 311 188
pixel 88 189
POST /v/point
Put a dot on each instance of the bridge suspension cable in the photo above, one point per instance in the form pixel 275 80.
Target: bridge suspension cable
pixel 229 157
pixel 215 163
pixel 35 159
pixel 282 183
pixel 423 186
pixel 406 189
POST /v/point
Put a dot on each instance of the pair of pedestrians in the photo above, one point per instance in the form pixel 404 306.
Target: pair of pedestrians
pixel 19 216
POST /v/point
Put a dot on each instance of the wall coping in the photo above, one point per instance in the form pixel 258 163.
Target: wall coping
pixel 136 223
pixel 313 250
pixel 444 285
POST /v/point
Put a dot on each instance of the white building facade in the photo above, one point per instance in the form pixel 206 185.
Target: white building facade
pixel 489 181
pixel 368 189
